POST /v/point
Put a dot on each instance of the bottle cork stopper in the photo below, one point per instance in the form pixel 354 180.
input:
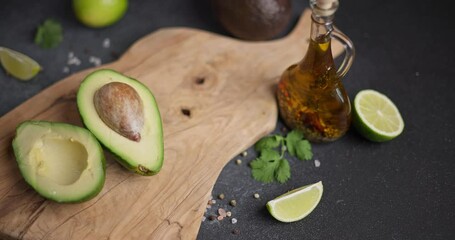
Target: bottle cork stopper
pixel 324 8
pixel 325 4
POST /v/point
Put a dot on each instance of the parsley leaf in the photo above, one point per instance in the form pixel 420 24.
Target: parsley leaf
pixel 283 172
pixel 268 143
pixel 49 34
pixel 292 139
pixel 271 165
pixel 303 150
pixel 265 166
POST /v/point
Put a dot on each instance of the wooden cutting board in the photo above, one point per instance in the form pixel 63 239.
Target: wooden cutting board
pixel 216 97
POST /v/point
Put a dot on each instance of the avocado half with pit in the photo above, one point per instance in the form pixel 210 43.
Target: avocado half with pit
pixel 62 162
pixel 123 115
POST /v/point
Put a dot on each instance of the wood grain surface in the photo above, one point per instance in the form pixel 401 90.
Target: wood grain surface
pixel 216 97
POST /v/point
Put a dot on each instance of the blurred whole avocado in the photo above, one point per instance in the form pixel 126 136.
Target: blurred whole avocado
pixel 253 19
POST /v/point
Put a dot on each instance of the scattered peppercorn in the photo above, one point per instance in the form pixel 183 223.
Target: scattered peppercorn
pixel 220 218
pixel 238 161
pixel 221 196
pixel 212 217
pixel 233 203
pixel 256 195
pixel 244 154
pixel 228 214
pixel 235 231
pixel 234 220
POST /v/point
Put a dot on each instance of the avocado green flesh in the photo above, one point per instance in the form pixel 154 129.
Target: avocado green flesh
pixel 144 157
pixel 62 162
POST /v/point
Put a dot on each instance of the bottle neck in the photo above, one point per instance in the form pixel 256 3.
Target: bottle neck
pixel 318 58
pixel 323 12
pixel 321 28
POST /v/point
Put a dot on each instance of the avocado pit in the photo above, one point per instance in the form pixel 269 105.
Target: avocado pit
pixel 120 107
pixel 123 115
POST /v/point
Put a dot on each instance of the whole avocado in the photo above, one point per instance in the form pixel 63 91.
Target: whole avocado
pixel 253 19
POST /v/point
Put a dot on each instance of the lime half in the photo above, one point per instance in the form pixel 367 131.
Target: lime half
pixel 18 65
pixel 376 117
pixel 296 204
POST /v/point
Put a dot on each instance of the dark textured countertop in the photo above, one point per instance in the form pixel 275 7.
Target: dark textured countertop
pixel 403 189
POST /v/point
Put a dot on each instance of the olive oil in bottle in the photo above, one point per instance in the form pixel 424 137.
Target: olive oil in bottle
pixel 311 96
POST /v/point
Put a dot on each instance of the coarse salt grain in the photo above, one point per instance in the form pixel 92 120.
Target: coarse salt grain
pixel 234 220
pixel 106 43
pixel 317 163
pixel 95 60
pixel 73 60
pixel 222 212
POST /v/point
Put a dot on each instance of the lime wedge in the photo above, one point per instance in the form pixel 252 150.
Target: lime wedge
pixel 296 204
pixel 18 65
pixel 376 117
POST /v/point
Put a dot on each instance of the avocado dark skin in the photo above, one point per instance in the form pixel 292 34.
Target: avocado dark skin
pixel 253 20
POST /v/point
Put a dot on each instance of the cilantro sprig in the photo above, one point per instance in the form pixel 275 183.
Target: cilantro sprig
pixel 271 165
pixel 49 34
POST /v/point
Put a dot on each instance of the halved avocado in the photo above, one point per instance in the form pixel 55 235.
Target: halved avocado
pixel 121 95
pixel 62 162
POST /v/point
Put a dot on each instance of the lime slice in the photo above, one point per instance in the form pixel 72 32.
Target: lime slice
pixel 376 117
pixel 18 65
pixel 296 204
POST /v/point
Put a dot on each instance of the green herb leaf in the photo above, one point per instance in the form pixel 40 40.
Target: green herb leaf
pixel 49 34
pixel 268 143
pixel 270 165
pixel 269 154
pixel 258 163
pixel 265 174
pixel 292 139
pixel 264 167
pixel 303 150
pixel 283 172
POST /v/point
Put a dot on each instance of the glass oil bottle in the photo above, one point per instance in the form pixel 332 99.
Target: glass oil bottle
pixel 311 96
